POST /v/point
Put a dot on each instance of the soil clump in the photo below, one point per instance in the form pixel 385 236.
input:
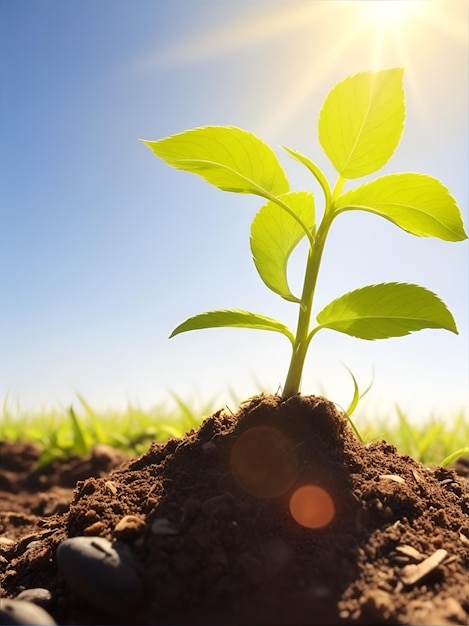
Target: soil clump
pixel 209 520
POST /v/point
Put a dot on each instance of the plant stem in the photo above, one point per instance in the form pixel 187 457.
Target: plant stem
pixel 300 347
pixel 303 336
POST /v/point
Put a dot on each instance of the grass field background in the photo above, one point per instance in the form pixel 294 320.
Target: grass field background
pixel 74 431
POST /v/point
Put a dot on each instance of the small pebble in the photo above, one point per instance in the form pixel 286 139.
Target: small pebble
pixel 95 529
pixel 105 574
pixel 111 487
pixel 37 595
pixel 20 612
pixel 6 543
pixel 128 525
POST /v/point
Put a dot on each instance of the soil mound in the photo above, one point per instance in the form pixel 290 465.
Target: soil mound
pixel 274 515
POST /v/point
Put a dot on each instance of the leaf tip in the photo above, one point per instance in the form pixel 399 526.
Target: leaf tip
pixel 146 142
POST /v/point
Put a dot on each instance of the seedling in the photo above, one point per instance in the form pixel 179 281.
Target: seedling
pixel 360 126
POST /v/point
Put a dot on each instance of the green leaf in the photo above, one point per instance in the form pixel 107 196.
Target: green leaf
pixel 361 121
pixel 230 158
pixel 233 318
pixel 386 310
pixel 275 234
pixel 313 168
pixel 357 396
pixel 417 203
pixel 79 446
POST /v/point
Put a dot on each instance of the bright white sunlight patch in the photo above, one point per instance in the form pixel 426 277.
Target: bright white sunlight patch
pixel 388 14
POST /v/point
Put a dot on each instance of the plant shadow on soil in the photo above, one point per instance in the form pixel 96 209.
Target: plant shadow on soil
pixel 208 518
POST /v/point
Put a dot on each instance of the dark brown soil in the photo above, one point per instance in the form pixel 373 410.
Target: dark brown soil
pixel 209 518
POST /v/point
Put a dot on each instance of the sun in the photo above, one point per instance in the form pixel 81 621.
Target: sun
pixel 390 14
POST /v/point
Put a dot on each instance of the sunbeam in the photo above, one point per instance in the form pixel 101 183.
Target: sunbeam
pixel 386 32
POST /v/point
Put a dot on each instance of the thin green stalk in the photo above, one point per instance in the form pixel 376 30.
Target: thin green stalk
pixel 300 347
pixel 303 336
pixel 339 185
pixel 454 455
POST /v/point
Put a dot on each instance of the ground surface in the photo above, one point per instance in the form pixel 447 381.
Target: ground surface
pixel 208 519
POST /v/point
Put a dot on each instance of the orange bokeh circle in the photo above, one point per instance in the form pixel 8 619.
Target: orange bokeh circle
pixel 264 462
pixel 312 507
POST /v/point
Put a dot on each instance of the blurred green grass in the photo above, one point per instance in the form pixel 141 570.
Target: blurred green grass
pixel 75 430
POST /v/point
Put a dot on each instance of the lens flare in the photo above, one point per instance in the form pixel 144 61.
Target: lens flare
pixel 264 462
pixel 312 507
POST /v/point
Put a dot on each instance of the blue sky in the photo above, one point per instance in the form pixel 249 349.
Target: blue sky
pixel 104 249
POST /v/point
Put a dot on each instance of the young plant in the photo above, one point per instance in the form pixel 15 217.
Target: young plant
pixel 360 126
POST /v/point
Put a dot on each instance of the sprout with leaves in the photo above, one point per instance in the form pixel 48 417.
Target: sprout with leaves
pixel 360 126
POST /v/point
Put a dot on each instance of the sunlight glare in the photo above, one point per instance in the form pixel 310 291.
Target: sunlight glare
pixel 390 14
pixel 386 33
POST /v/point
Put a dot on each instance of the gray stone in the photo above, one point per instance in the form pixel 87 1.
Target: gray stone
pixel 105 574
pixel 20 612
